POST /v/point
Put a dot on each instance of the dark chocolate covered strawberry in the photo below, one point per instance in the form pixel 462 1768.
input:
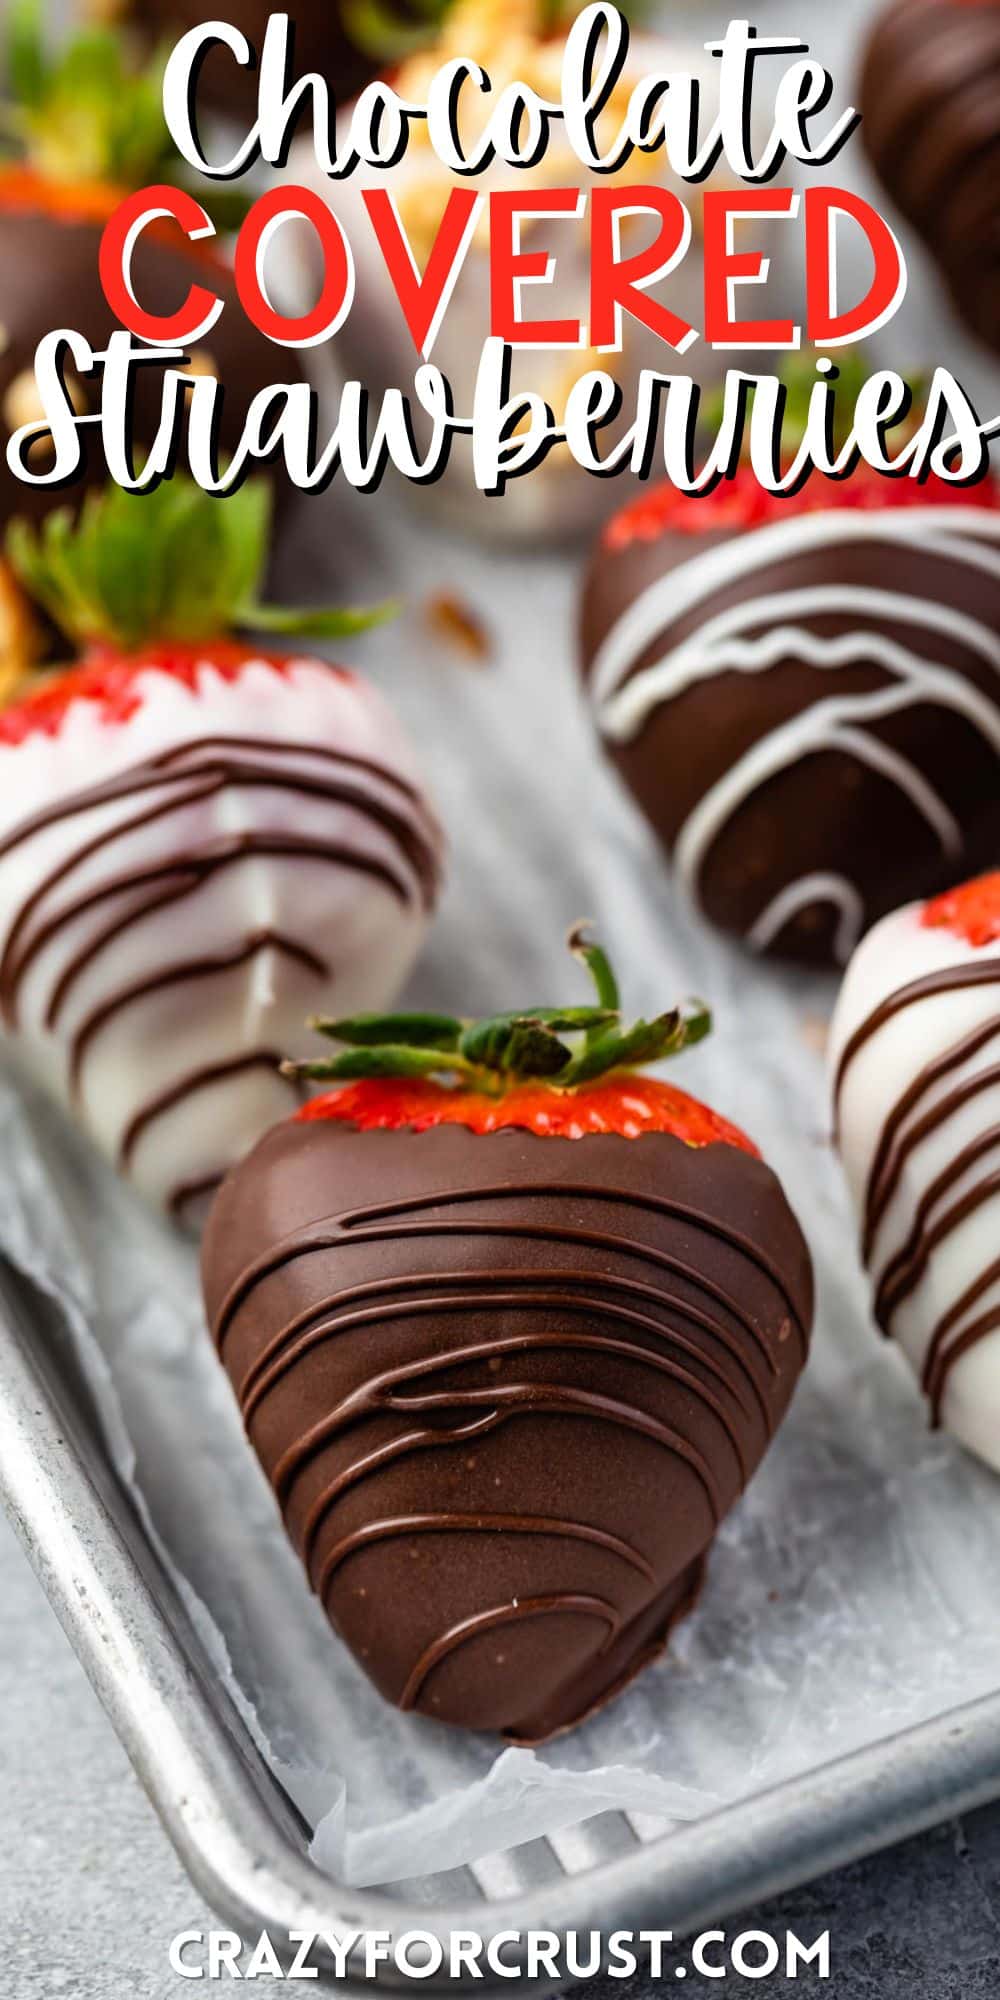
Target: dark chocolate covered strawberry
pixel 197 836
pixel 89 131
pixel 803 694
pixel 930 105
pixel 511 1325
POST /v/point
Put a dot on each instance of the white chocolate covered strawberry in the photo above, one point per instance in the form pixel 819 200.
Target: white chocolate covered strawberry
pixel 916 1066
pixel 197 839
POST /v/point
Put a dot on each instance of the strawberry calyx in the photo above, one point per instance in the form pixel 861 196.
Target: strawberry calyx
pixel 971 911
pixel 627 1105
pixel 554 1050
pixel 176 567
pixel 82 113
pixel 87 125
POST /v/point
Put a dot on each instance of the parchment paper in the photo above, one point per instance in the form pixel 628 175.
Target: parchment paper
pixel 857 1587
pixel 854 1591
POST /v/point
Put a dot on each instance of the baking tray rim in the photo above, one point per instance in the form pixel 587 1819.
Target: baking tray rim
pixel 209 1788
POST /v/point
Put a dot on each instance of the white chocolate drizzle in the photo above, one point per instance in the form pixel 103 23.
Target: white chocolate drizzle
pixel 764 629
pixel 182 885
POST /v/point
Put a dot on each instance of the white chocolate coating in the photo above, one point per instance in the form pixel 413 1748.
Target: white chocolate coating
pixel 201 877
pixel 919 1131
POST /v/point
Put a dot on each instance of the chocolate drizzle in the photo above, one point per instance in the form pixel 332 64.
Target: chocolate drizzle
pixel 188 1086
pixel 952 979
pixel 150 838
pixel 209 966
pixel 187 869
pixel 916 1116
pixel 806 710
pixel 188 1196
pixel 904 1271
pixel 507 1614
pixel 471 1436
pixel 476 1524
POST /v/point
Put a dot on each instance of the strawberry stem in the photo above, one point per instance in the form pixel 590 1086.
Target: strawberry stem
pixel 175 564
pixel 559 1047
pixel 596 960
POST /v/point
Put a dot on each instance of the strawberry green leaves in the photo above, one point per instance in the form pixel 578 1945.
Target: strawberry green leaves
pixel 560 1047
pixel 310 622
pixel 83 114
pixel 396 1059
pixel 644 1042
pixel 175 565
pixel 86 113
pixel 366 1031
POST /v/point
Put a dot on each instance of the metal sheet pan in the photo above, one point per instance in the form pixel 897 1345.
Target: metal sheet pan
pixel 238 1834
pixel 234 1826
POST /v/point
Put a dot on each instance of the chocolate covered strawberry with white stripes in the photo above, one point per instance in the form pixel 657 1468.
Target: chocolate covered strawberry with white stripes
pixel 804 694
pixel 930 122
pixel 916 1075
pixel 197 837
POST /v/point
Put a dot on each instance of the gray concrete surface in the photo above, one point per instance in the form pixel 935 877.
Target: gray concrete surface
pixel 91 1892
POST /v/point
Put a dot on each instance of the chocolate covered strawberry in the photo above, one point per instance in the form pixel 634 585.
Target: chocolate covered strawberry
pixel 915 1053
pixel 803 694
pixel 930 110
pixel 88 130
pixel 197 837
pixel 511 1325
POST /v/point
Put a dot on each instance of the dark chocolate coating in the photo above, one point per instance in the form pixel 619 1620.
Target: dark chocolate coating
pixel 505 1388
pixel 829 809
pixel 321 43
pixel 51 280
pixel 930 104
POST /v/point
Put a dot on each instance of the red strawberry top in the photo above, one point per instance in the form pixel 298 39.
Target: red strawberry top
pixel 559 1073
pixel 972 911
pixel 627 1104
pixel 741 503
pixel 24 190
pixel 112 682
